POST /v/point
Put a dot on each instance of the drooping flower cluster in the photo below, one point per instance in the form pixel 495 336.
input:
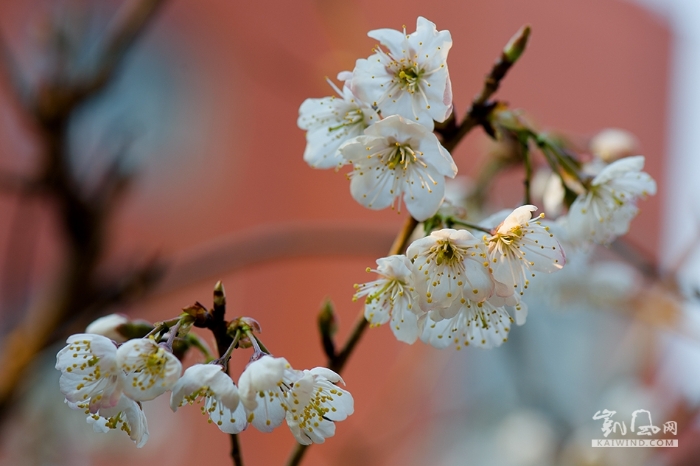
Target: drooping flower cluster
pixel 269 392
pixel 454 288
pixel 109 382
pixel 383 122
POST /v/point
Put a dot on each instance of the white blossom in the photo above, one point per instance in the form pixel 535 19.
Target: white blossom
pixel 89 373
pixel 108 326
pixel 473 323
pixel 519 247
pixel 606 210
pixel 263 388
pixel 315 404
pixel 148 369
pixel 399 159
pixel 409 79
pixel 331 121
pixel 127 416
pixel 447 265
pixel 210 384
pixel 392 297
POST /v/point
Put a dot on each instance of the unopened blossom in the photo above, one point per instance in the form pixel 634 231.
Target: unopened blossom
pixel 448 264
pixel 127 416
pixel 331 121
pixel 263 388
pixel 208 383
pixel 473 323
pixel 89 373
pixel 108 326
pixel 148 369
pixel 398 159
pixel 315 404
pixel 606 210
pixel 612 144
pixel 392 296
pixel 521 246
pixel 410 78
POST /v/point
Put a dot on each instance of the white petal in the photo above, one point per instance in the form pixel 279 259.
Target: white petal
pixel 148 369
pixel 230 422
pixel 424 194
pixel 404 324
pixel 269 412
pixel 267 373
pixel 126 415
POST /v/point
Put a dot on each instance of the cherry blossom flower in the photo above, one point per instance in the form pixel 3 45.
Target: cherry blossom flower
pixel 89 373
pixel 606 210
pixel 392 297
pixel 473 323
pixel 149 370
pixel 409 79
pixel 263 388
pixel 520 246
pixel 331 121
pixel 127 416
pixel 397 158
pixel 448 264
pixel 316 403
pixel 209 383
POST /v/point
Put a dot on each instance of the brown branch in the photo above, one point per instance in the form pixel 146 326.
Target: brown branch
pixel 83 216
pixel 481 108
pixel 337 363
pixel 216 323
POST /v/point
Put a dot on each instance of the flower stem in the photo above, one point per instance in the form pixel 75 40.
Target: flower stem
pixel 257 343
pixel 173 334
pixel 223 360
pixel 337 363
pixel 528 172
pixel 470 225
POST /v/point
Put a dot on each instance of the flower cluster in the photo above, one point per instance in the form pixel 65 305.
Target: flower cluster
pixel 269 392
pixel 109 382
pixel 382 122
pixel 454 288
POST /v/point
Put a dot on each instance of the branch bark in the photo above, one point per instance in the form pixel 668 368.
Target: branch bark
pixel 82 215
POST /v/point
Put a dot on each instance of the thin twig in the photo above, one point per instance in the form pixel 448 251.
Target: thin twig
pixel 224 344
pixel 480 108
pixel 338 362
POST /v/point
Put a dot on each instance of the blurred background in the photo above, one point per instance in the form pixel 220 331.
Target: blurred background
pixel 188 166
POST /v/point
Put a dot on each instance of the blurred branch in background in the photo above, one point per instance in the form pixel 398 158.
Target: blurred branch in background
pixel 48 110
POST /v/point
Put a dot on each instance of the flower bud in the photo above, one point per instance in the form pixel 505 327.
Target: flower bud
pixel 109 326
pixel 327 327
pixel 516 45
pixel 613 144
